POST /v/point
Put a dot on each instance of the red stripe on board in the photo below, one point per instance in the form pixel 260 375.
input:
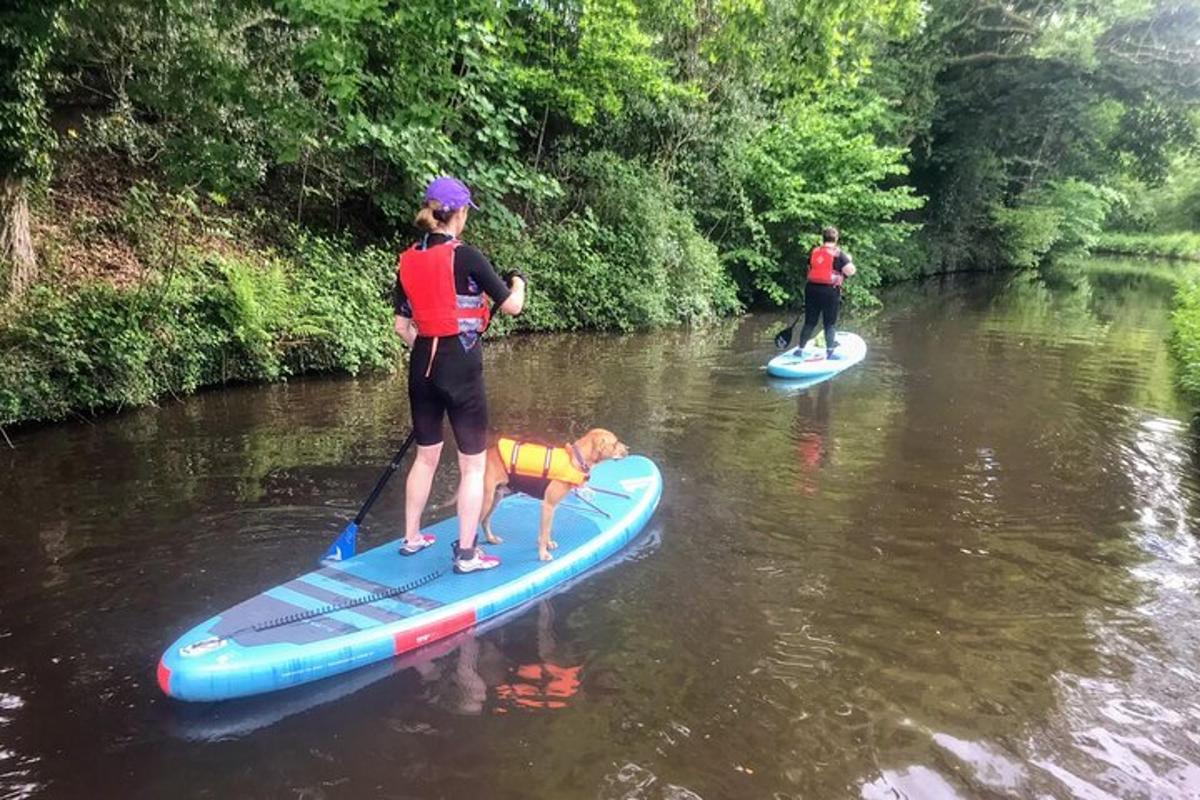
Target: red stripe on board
pixel 419 637
pixel 164 678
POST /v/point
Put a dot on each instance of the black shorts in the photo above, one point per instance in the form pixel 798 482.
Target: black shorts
pixel 454 387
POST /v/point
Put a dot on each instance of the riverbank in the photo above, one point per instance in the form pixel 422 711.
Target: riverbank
pixel 1184 276
pixel 148 293
pixel 1184 245
pixel 160 296
pixel 1185 336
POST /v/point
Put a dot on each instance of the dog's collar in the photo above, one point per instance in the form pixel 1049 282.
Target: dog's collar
pixel 580 461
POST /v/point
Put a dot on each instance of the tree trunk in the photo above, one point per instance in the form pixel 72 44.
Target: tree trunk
pixel 16 241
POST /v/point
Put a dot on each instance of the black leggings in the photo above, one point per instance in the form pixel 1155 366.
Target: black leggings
pixel 820 300
pixel 452 386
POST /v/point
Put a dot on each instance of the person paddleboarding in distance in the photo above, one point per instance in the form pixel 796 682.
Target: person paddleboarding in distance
pixel 441 313
pixel 828 267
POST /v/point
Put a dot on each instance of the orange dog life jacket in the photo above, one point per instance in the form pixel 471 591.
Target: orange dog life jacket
pixel 539 461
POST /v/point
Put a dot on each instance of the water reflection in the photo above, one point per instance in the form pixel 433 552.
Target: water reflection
pixel 810 432
pixel 17 771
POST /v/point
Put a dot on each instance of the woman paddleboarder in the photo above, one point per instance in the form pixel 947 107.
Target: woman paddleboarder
pixel 441 313
pixel 828 267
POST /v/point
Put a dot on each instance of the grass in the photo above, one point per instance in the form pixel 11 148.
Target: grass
pixel 1181 245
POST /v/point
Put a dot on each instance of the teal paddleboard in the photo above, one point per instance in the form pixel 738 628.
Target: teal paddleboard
pixel 379 604
pixel 811 362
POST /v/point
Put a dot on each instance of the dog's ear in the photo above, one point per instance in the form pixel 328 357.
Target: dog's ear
pixel 609 444
pixel 594 443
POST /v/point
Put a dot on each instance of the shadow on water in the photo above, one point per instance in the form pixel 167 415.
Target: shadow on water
pixel 964 568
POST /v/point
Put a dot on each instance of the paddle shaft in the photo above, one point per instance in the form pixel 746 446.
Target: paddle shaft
pixel 385 477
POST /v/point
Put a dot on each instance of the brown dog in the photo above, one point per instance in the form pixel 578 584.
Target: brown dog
pixel 575 461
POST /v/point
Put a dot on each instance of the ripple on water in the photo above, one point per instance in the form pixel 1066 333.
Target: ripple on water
pixel 635 782
pixel 910 782
pixel 988 765
pixel 17 775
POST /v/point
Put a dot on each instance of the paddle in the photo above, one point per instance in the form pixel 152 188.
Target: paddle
pixel 784 337
pixel 346 544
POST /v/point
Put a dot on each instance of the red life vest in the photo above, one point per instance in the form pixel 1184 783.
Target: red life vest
pixel 820 266
pixel 427 277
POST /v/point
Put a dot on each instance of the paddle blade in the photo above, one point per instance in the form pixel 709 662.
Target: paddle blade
pixel 783 338
pixel 345 546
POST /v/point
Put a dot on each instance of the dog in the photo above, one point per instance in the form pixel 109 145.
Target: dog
pixel 545 472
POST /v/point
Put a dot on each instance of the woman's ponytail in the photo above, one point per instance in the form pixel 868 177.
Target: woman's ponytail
pixel 431 216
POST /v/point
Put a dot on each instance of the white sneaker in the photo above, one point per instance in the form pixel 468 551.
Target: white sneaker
pixel 478 561
pixel 410 549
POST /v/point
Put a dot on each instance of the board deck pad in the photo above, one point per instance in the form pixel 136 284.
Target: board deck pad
pixel 380 604
pixel 812 363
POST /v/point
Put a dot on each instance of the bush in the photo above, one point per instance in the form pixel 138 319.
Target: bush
pixel 1185 336
pixel 213 321
pixel 813 166
pixel 1025 234
pixel 618 251
pixel 1063 218
pixel 1182 244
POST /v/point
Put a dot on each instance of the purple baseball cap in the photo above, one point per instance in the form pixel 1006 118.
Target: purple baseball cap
pixel 452 193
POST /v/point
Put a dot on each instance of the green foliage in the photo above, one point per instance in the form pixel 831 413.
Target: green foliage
pixel 645 161
pixel 1026 233
pixel 1183 244
pixel 1063 218
pixel 817 165
pixel 30 30
pixel 1028 97
pixel 1185 336
pixel 596 66
pixel 1083 207
pixel 621 254
pixel 345 322
pixel 788 48
pixel 202 92
pixel 214 321
pixel 1173 205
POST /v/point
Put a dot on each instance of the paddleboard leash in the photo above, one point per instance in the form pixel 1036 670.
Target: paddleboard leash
pixel 343 605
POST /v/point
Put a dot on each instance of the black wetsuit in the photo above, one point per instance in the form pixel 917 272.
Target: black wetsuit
pixel 454 385
pixel 822 302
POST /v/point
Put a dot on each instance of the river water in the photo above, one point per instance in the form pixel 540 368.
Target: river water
pixel 967 567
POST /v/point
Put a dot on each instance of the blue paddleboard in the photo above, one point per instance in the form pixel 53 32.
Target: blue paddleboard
pixel 379 604
pixel 812 363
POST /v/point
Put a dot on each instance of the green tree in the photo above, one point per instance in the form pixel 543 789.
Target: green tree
pixel 29 32
pixel 1015 96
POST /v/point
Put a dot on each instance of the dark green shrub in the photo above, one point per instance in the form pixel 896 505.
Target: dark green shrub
pixel 616 251
pixel 212 321
pixel 1185 336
